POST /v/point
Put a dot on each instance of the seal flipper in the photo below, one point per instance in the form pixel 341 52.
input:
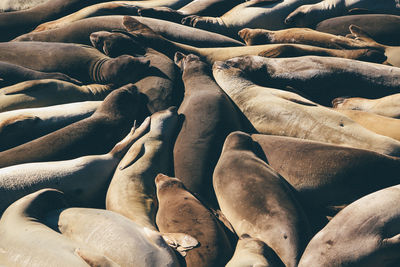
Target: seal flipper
pixel 358 11
pixel 257 3
pixel 21 122
pixel 133 25
pixel 94 259
pixel 132 155
pixel 362 35
pixel 180 242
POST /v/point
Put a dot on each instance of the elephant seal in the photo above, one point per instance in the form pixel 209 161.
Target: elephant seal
pixel 143 34
pixel 289 114
pixel 199 142
pixel 300 36
pixel 309 15
pixel 132 192
pixel 253 252
pixel 111 121
pixel 15 23
pixel 388 106
pixel 376 123
pixel 79 31
pixel 262 14
pixel 257 201
pixel 109 8
pixel 211 8
pixel 11 74
pixel 42 93
pixel 115 236
pixel 335 175
pixel 40 121
pixel 306 74
pixel 160 84
pixel 384 29
pixel 78 61
pixel 84 180
pixel 180 211
pixel 369 226
pixel 27 241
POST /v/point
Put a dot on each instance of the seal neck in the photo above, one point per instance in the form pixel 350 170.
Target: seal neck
pixel 96 74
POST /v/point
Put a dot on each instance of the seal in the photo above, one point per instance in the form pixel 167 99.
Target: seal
pixel 27 241
pixel 115 236
pixel 79 31
pixel 384 29
pixel 309 15
pixel 40 121
pixel 378 124
pixel 257 201
pixel 256 14
pixel 180 211
pixel 306 74
pixel 253 252
pixel 15 23
pixel 11 74
pixel 132 191
pixel 160 84
pixel 109 8
pixel 368 226
pixel 386 106
pixel 47 92
pixel 279 112
pixel 335 175
pixel 142 33
pixel 81 62
pixel 199 142
pixel 211 8
pixel 84 180
pixel 300 36
pixel 114 118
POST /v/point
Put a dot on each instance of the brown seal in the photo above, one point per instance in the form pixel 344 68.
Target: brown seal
pixel 180 212
pixel 111 121
pixel 257 201
pixel 365 233
pixel 78 61
pixel 199 142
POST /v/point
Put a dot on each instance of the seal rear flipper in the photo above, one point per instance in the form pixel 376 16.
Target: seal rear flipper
pixel 94 259
pixel 180 242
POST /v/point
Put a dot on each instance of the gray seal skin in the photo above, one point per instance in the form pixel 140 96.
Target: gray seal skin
pixel 11 74
pixel 15 23
pixel 257 201
pixel 111 121
pixel 132 191
pixel 40 121
pixel 79 31
pixel 181 212
pixel 200 140
pixel 115 236
pixel 365 233
pixel 81 62
pixel 27 241
pixel 84 180
pixel 384 29
pixel 160 86
pixel 313 76
pixel 48 92
pixel 335 175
